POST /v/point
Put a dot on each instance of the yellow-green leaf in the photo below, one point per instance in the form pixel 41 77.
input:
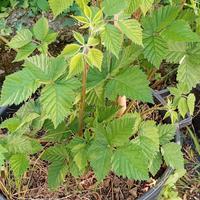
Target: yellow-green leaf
pixel 132 29
pixel 191 103
pixel 70 50
pixel 182 106
pixel 76 65
pixel 79 38
pixel 95 57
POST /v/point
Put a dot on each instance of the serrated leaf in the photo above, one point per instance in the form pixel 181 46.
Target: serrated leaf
pixel 70 50
pixel 166 133
pixel 182 106
pixel 19 163
pixel 180 31
pixel 131 83
pixel 132 29
pixel 25 51
pixel 100 159
pixel 79 37
pixel 52 134
pixel 119 131
pixel 76 65
pixel 41 29
pixel 173 156
pixel 95 56
pixel 155 164
pixel 52 67
pixel 176 51
pixel 188 73
pixel 11 124
pixel 56 174
pixel 155 49
pixel 112 7
pixel 128 56
pixel 18 87
pixel 19 144
pixel 104 113
pixel 191 103
pixel 129 161
pixel 22 38
pixel 160 19
pixel 146 5
pixel 79 150
pixel 58 6
pixel 148 139
pixel 112 39
pixel 57 100
pixel 55 153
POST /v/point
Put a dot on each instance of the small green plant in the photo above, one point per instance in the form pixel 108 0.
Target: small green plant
pixel 79 88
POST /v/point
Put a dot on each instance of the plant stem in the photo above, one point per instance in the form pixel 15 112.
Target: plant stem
pixel 82 102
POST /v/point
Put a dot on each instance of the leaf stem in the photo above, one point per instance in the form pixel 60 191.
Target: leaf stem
pixel 82 102
pixel 4 39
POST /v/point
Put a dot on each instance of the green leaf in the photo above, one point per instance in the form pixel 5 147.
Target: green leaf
pixel 119 131
pixel 180 31
pixel 131 83
pixel 76 65
pixel 70 50
pixel 18 87
pixel 56 174
pixel 51 37
pixel 155 49
pixel 19 144
pixel 19 163
pixel 43 5
pixel 129 161
pixel 41 29
pixel 182 106
pixel 173 156
pixel 148 139
pixel 79 150
pixel 176 51
pixel 100 159
pixel 11 124
pixel 112 7
pixel 112 39
pixel 58 6
pixel 25 51
pixel 188 73
pixel 52 134
pixel 191 103
pixel 155 164
pixel 166 133
pixel 132 29
pixel 95 56
pixel 56 153
pixel 22 38
pixel 57 100
pixel 160 19
pixel 105 113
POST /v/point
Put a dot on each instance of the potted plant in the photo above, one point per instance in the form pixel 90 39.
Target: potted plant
pixel 84 92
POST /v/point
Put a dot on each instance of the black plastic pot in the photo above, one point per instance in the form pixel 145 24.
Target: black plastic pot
pixel 154 192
